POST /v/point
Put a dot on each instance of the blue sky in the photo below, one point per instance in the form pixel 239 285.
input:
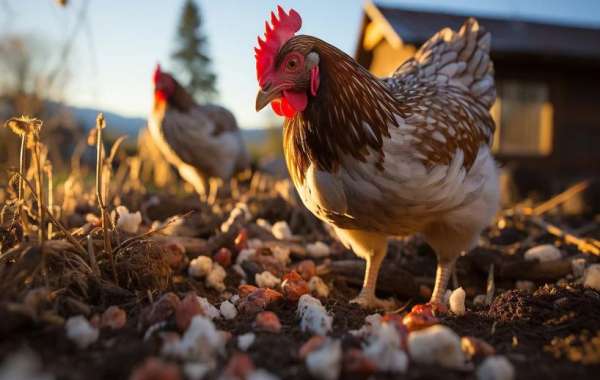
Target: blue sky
pixel 129 36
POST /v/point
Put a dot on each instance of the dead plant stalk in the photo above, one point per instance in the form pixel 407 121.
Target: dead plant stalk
pixel 100 125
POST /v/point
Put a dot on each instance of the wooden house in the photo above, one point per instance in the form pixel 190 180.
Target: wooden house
pixel 548 83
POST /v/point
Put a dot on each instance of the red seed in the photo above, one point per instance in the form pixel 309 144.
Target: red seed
pixel 156 369
pixel 223 257
pixel 160 310
pixel 187 309
pixel 239 366
pixel 114 317
pixel 267 321
pixel 241 240
pixel 356 362
pixel 245 289
pixel 420 317
pixel 307 269
pixel 313 344
pixel 294 286
pixel 258 300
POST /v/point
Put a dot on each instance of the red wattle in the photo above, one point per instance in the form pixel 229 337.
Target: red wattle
pixel 298 100
pixel 282 107
pixel 276 105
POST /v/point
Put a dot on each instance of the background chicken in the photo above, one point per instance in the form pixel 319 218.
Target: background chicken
pixel 202 141
pixel 387 157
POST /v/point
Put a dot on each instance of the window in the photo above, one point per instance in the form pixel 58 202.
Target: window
pixel 524 119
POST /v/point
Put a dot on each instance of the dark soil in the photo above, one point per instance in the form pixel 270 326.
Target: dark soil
pixel 550 333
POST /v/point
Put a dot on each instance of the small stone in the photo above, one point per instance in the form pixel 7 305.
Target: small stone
pixel 228 310
pixel 314 318
pixel 267 321
pixel 281 230
pixel 160 310
pixel 307 269
pixel 208 309
pixel 258 300
pixel 155 368
pixel 186 310
pixel 200 267
pixel 326 362
pixel 495 368
pixel 195 371
pixel 294 286
pixel 311 345
pixel 475 347
pixel 223 257
pixel 239 366
pixel 80 331
pixel 419 319
pixel 543 253
pixel 318 287
pixel 356 362
pixel 578 267
pixel 457 302
pixel 245 290
pixel 266 279
pixel 114 317
pixel 244 341
pixel 436 345
pixel 128 222
pixel 591 278
pixel 318 250
pixel 216 277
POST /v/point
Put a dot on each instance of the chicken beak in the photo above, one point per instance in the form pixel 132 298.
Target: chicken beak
pixel 265 97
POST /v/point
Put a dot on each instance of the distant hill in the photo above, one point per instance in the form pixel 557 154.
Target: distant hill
pixel 119 124
pixel 115 123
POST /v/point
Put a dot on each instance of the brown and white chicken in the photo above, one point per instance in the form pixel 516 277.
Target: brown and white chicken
pixel 387 157
pixel 202 141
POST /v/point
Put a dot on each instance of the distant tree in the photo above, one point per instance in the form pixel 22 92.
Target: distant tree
pixel 191 54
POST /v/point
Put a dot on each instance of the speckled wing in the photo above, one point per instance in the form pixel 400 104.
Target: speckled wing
pixel 449 88
pixel 198 140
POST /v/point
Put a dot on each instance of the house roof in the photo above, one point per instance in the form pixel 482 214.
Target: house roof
pixel 508 35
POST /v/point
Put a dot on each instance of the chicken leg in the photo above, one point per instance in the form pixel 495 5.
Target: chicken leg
pixel 190 174
pixel 442 275
pixel 372 247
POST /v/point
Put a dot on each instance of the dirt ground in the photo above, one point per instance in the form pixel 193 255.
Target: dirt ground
pixel 551 331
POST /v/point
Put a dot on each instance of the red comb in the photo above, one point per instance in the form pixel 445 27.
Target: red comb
pixel 276 34
pixel 157 73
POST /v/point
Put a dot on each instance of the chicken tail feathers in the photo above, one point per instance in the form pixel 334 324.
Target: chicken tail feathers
pixel 458 59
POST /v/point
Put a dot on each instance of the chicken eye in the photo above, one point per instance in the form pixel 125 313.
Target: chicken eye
pixel 292 64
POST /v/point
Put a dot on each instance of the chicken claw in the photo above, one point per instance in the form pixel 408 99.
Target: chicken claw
pixel 368 300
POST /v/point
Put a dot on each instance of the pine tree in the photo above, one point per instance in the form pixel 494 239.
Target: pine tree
pixel 191 56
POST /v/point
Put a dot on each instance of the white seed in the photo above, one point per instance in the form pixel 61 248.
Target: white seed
pixel 266 279
pixel 457 301
pixel 228 310
pixel 200 266
pixel 543 253
pixel 591 278
pixel 80 331
pixel 496 368
pixel 326 362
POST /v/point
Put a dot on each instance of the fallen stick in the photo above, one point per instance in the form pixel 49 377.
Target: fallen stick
pixel 591 246
pixel 559 199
